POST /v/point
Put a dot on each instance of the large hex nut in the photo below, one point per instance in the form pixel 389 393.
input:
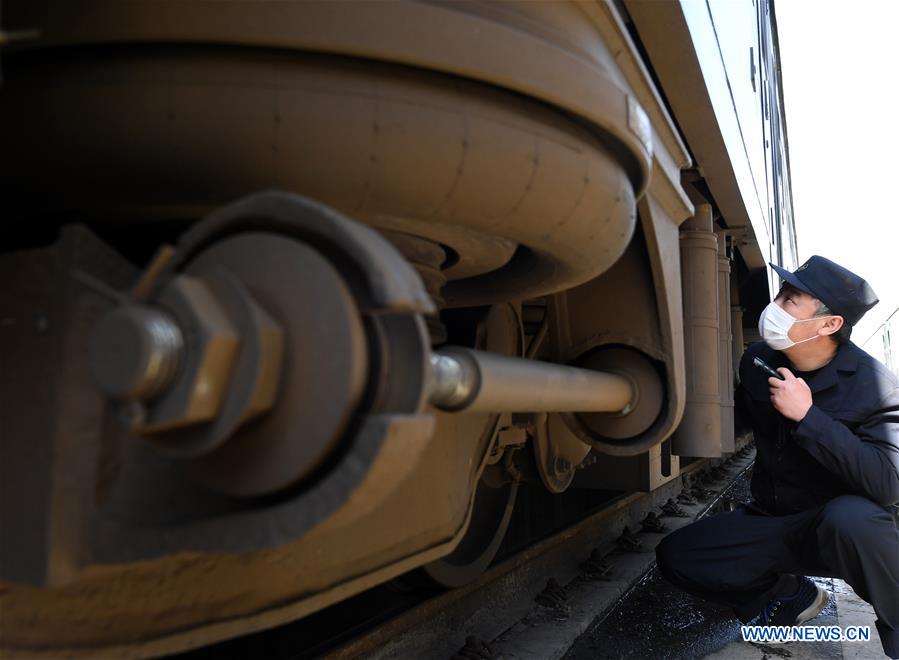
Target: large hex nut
pixel 254 380
pixel 211 343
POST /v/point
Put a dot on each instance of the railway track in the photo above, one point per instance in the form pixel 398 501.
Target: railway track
pixel 532 603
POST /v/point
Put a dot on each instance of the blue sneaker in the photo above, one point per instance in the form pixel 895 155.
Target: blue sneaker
pixel 802 606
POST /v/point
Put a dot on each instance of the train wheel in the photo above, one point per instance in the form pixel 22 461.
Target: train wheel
pixel 499 332
pixel 489 522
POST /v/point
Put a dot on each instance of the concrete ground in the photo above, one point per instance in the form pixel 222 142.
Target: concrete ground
pixel 846 609
pixel 655 620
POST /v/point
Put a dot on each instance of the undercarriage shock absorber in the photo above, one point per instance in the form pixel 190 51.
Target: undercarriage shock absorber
pixel 699 433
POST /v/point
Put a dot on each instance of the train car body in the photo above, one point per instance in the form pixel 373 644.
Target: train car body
pixel 882 343
pixel 408 256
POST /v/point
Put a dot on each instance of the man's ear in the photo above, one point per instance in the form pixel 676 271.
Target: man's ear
pixel 832 325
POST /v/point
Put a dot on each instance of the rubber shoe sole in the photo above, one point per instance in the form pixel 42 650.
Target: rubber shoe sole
pixel 822 598
pixel 813 610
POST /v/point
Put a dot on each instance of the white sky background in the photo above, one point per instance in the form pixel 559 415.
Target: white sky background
pixel 840 64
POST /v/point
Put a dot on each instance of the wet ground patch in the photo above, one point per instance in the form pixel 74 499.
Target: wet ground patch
pixel 656 620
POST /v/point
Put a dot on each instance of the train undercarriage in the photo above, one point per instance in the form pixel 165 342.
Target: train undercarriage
pixel 306 291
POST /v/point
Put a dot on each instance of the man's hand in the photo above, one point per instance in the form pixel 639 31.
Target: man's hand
pixel 791 397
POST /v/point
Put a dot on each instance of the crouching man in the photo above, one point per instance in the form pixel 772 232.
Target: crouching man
pixel 826 477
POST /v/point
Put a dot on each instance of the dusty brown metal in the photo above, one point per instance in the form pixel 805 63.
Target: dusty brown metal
pixel 736 324
pixel 499 332
pixel 699 433
pixel 206 360
pixel 387 282
pixel 52 440
pixel 491 514
pixel 428 258
pixel 148 513
pixel 326 367
pixel 491 510
pixel 321 381
pixel 624 307
pixel 660 216
pixel 537 340
pixel 147 281
pixel 557 451
pixel 643 472
pixel 252 385
pixel 530 189
pixel 259 361
pixel 470 40
pixel 503 174
pixel 512 433
pixel 725 349
pixel 609 430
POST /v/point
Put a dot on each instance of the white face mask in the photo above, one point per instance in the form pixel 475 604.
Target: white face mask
pixel 774 326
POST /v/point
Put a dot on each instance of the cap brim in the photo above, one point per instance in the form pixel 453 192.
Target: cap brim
pixel 791 279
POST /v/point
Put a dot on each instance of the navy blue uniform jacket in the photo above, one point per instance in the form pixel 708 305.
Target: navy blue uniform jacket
pixel 848 442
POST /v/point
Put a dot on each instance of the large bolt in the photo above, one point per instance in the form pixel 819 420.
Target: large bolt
pixel 134 352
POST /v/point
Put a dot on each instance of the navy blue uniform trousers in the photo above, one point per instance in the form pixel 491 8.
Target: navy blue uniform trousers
pixel 745 558
pixel 822 494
